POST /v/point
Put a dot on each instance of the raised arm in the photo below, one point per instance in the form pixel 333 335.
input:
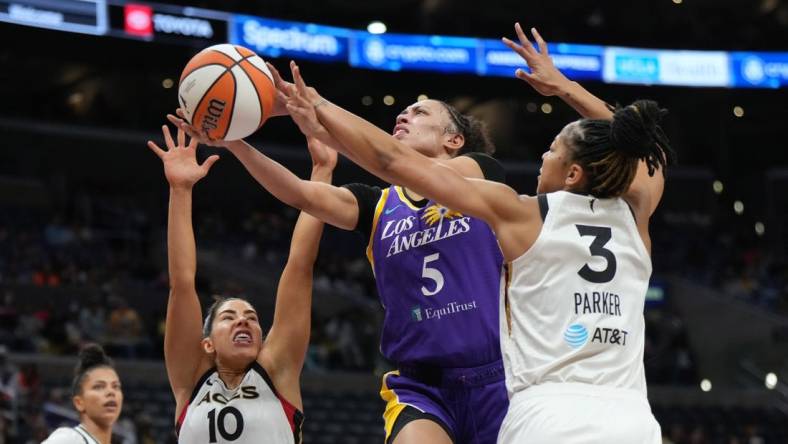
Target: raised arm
pixel 183 355
pixel 389 159
pixel 547 80
pixel 334 205
pixel 288 339
pixel 646 191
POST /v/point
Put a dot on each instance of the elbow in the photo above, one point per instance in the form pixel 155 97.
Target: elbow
pixel 181 281
pixel 301 265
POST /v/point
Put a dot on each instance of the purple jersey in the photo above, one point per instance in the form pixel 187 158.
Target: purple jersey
pixel 438 276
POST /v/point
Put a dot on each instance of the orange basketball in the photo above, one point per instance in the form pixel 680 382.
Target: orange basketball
pixel 227 91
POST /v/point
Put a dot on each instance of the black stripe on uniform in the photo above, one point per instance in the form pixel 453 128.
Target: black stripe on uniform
pixel 298 416
pixel 543 206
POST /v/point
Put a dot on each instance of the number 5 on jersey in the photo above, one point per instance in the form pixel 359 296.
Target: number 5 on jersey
pixel 432 274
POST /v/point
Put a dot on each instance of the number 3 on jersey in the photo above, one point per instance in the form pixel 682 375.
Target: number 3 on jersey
pixel 602 236
pixel 432 274
pixel 218 423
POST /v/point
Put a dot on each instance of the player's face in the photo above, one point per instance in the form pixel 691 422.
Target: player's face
pixel 555 166
pixel 422 126
pixel 101 398
pixel 236 337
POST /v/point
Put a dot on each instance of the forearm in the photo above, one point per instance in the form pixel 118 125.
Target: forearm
pixel 278 180
pixel 307 232
pixel 362 142
pixel 581 100
pixel 181 249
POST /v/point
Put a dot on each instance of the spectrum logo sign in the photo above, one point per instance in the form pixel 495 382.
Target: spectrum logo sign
pixel 138 20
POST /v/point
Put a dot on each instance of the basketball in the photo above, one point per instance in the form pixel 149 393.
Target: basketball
pixel 227 91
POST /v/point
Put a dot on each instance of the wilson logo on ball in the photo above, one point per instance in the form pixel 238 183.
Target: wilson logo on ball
pixel 214 113
pixel 227 91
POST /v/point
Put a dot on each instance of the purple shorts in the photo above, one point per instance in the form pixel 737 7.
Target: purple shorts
pixel 470 403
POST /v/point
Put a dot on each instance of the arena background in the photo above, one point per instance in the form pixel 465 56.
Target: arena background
pixel 83 204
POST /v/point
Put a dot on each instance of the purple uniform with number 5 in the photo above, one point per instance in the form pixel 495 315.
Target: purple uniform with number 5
pixel 438 274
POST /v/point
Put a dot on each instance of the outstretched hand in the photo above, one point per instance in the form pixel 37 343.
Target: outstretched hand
pixel 301 102
pixel 544 77
pixel 323 156
pixel 180 160
pixel 200 135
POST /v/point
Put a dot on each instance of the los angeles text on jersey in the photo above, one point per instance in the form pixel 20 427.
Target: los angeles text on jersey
pixel 404 240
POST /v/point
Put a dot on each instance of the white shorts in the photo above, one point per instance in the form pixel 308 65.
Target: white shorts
pixel 569 413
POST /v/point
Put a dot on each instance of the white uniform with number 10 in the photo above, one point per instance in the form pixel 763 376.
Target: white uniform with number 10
pixel 251 413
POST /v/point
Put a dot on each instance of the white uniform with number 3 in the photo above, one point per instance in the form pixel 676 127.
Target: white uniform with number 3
pixel 251 413
pixel 572 328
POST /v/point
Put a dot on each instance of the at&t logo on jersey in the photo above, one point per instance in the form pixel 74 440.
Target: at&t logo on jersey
pixel 576 335
pixel 444 223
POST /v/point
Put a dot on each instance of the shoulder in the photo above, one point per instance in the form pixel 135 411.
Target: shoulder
pixel 64 435
pixel 363 192
pixel 479 165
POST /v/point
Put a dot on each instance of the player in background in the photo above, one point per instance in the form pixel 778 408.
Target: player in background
pixel 231 384
pixel 572 329
pixel 97 397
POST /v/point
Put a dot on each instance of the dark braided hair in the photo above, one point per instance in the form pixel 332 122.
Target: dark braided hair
pixel 473 130
pixel 207 327
pixel 91 356
pixel 609 151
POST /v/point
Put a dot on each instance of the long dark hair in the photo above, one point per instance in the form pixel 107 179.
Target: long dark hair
pixel 609 150
pixel 473 130
pixel 207 326
pixel 91 356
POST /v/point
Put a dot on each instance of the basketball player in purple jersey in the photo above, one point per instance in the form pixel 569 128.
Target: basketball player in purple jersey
pixel 559 392
pixel 437 274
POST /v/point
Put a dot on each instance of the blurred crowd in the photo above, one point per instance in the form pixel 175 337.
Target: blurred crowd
pixel 85 275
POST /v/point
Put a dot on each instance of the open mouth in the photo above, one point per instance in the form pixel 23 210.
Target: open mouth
pixel 242 337
pixel 111 404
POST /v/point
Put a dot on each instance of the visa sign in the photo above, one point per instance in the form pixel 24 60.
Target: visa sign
pixel 665 67
pixel 277 38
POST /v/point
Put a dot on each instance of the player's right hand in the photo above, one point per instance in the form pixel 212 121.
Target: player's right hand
pixel 201 136
pixel 544 77
pixel 180 160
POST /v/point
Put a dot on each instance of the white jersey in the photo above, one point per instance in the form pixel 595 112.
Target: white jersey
pixel 251 413
pixel 70 435
pixel 572 306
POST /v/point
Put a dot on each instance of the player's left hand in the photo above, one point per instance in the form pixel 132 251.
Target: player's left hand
pixel 201 136
pixel 544 77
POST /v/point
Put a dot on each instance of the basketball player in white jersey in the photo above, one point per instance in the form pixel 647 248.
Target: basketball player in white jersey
pixel 231 385
pixel 98 399
pixel 572 329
